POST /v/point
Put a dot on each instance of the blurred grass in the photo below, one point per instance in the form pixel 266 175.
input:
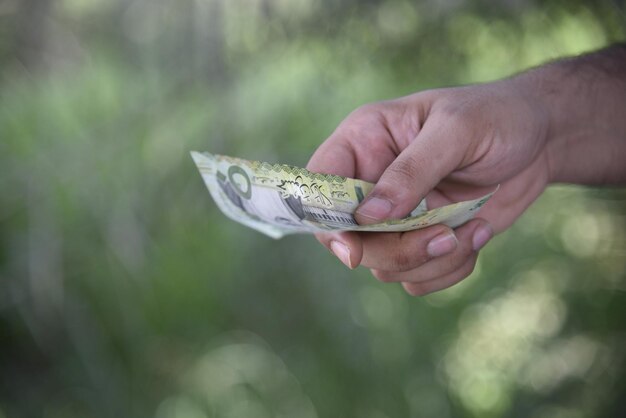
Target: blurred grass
pixel 124 292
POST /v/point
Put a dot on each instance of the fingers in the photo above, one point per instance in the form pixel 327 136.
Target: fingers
pixel 346 246
pixel 442 272
pixel 395 251
pixel 471 237
pixel 436 151
pixel 333 158
pixel 415 256
pixel 430 286
pixel 360 147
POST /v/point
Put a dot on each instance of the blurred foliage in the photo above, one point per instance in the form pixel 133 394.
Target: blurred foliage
pixel 125 293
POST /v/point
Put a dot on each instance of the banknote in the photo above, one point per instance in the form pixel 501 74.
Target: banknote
pixel 278 199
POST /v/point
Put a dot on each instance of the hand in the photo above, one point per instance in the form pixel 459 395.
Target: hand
pixel 446 145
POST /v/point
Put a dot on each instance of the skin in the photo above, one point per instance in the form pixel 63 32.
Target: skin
pixel 562 122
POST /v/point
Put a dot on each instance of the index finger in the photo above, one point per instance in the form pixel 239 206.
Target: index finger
pixel 361 147
pixel 333 157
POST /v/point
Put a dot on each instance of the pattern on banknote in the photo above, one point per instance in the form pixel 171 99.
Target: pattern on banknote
pixel 279 199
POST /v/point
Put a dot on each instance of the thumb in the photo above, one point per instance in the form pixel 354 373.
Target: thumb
pixel 430 157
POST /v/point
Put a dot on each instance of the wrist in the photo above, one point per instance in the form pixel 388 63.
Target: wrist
pixel 583 100
pixel 531 87
pixel 550 89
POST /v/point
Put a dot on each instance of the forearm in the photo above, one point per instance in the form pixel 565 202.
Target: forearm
pixel 585 99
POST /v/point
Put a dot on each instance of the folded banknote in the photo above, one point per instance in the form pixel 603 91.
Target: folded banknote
pixel 278 199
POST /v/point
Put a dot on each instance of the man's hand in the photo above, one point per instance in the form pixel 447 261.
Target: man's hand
pixel 446 145
pixel 457 144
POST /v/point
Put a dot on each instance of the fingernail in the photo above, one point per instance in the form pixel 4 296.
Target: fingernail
pixel 482 235
pixel 375 208
pixel 442 244
pixel 342 252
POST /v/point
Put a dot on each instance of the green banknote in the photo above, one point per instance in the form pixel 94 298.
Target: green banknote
pixel 278 199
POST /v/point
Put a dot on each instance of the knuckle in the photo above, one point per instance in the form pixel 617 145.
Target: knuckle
pixel 410 257
pixel 465 251
pixel 383 276
pixel 366 110
pixel 400 177
pixel 403 260
pixel 405 169
pixel 468 268
pixel 463 271
pixel 457 111
pixel 416 289
pixel 324 239
pixel 465 116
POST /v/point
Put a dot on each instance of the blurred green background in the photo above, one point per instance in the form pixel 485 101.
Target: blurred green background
pixel 125 293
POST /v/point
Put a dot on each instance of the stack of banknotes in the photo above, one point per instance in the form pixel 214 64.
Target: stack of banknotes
pixel 278 199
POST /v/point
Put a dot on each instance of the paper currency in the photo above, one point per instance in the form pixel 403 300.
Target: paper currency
pixel 278 199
